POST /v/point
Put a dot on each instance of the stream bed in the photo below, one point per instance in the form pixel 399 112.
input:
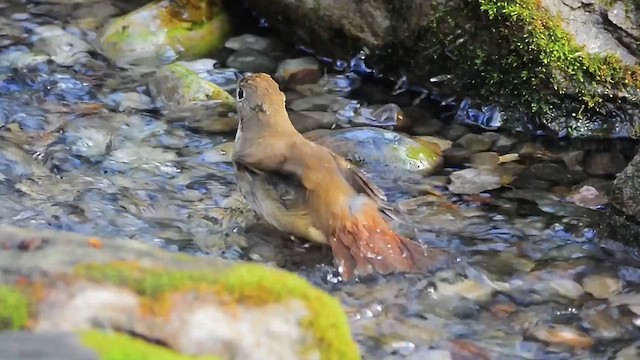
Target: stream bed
pixel 84 148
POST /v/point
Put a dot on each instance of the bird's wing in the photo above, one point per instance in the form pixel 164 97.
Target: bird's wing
pixel 285 188
pixel 358 180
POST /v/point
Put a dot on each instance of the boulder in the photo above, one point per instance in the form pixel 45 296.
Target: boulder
pixel 566 67
pixel 121 299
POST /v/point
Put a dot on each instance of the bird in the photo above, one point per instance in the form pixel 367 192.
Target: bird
pixel 304 189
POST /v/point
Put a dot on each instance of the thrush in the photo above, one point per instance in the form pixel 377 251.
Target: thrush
pixel 303 189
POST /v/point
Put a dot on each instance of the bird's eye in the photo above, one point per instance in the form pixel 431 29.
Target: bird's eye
pixel 240 94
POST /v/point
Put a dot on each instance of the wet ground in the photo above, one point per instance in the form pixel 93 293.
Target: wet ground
pixel 84 148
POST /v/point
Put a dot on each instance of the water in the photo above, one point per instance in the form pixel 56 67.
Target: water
pixel 83 148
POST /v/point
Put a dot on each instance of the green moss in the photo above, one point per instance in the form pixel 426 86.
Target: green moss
pixel 250 284
pixel 14 308
pixel 541 56
pixel 116 346
pixel 164 28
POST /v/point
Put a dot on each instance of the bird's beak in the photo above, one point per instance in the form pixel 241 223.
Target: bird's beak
pixel 238 75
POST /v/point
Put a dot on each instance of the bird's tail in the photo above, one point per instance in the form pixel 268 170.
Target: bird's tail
pixel 363 243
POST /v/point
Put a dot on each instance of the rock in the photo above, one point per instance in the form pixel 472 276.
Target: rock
pixel 567 288
pixel 504 144
pixel 456 156
pixel 557 172
pixel 455 132
pixel 601 286
pixel 562 335
pixel 485 160
pixel 63 48
pixel 305 121
pixel 623 219
pixel 251 60
pixel 50 345
pixel 377 147
pixel 419 122
pixel 589 197
pixel 300 71
pixel 474 181
pixel 86 284
pixel 130 101
pixel 604 163
pixel 474 142
pixel 162 32
pixel 176 85
pixel 443 144
pixel 250 41
pixel 494 48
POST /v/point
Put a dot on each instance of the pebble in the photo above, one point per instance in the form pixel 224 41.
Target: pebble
pixel 604 163
pixel 601 286
pixel 567 288
pixel 251 60
pixel 503 144
pixel 250 41
pixel 485 160
pixel 474 181
pixel 456 156
pixel 474 142
pixel 299 71
pixel 562 335
pixel 455 132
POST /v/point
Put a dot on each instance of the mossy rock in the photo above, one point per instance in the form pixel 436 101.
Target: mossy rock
pixel 164 31
pixel 178 306
pixel 175 84
pixel 530 57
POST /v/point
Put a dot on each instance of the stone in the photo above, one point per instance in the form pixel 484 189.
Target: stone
pixel 455 131
pixel 299 71
pixel 250 41
pixel 604 163
pixel 191 305
pixel 251 60
pixel 474 142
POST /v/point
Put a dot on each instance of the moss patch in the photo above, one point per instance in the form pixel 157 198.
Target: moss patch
pixel 117 346
pixel 249 284
pixel 14 308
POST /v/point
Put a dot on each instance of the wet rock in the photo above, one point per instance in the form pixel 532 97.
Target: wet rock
pixel 162 32
pixel 485 160
pixel 63 48
pixel 624 198
pixel 474 142
pixel 562 335
pixel 377 147
pixel 505 31
pixel 455 132
pixel 305 121
pixel 504 144
pixel 250 41
pixel 89 137
pixel 386 116
pixel 567 288
pixel 474 181
pixel 16 165
pixel 44 345
pixel 251 60
pixel 457 156
pixel 603 325
pixel 442 144
pixel 601 286
pixel 136 288
pixel 419 122
pixel 300 71
pixel 589 197
pixel 130 101
pixel 177 85
pixel 324 102
pixel 556 172
pixel 604 163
